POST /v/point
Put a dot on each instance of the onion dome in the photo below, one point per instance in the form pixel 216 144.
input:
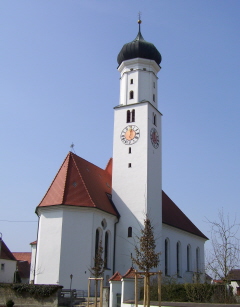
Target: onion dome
pixel 139 48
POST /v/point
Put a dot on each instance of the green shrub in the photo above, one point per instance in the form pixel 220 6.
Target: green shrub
pixel 38 291
pixel 10 303
pixel 199 293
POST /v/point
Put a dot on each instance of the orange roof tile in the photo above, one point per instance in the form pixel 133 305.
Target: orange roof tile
pixel 80 183
pixel 33 243
pixel 130 273
pixel 26 256
pixel 116 277
pixel 173 216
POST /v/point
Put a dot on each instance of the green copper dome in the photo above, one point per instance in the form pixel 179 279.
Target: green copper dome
pixel 139 48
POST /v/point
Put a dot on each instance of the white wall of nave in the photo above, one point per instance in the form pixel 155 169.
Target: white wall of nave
pixel 184 239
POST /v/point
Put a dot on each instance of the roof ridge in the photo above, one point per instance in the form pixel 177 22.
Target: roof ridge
pixel 83 180
pixel 67 171
pixel 52 181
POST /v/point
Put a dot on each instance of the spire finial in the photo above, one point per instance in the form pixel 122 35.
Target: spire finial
pixel 139 20
pixel 72 146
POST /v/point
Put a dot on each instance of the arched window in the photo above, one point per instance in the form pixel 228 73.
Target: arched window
pixel 178 259
pixel 106 249
pixel 154 119
pixel 128 116
pixel 189 258
pixel 97 236
pixel 131 81
pixel 131 95
pixel 154 97
pixel 129 232
pixel 198 259
pixel 166 257
pixel 133 115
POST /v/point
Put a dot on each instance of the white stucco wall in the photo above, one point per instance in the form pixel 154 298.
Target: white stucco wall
pixel 7 270
pixel 66 244
pixel 33 260
pixel 143 72
pixel 174 236
pixel 136 191
pixel 128 289
pixel 235 285
pixel 48 246
pixel 115 288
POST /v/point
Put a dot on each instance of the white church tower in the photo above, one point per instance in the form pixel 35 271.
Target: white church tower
pixel 137 152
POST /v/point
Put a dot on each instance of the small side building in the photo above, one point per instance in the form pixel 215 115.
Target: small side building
pixel 8 264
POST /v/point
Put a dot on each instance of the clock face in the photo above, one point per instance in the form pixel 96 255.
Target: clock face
pixel 130 135
pixel 154 138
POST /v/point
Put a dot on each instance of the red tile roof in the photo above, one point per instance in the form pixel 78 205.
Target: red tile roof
pixel 5 252
pixel 23 263
pixel 130 273
pixel 83 184
pixel 173 216
pixel 80 183
pixel 116 277
pixel 23 256
pixel 33 243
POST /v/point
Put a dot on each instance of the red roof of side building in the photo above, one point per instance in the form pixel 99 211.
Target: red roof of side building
pixel 23 263
pixel 5 252
pixel 116 277
pixel 81 183
pixel 130 273
pixel 23 256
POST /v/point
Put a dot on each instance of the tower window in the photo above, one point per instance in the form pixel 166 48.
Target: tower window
pixel 129 232
pixel 129 150
pixel 154 119
pixel 154 97
pixel 133 115
pixel 131 81
pixel 144 69
pixel 131 68
pixel 153 84
pixel 130 116
pixel 131 95
pixel 129 165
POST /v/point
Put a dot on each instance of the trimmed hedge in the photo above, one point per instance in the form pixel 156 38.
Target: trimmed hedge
pixel 199 293
pixel 37 291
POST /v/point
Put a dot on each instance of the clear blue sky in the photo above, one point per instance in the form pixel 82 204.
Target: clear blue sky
pixel 59 83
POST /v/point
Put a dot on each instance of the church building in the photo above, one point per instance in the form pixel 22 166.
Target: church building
pixel 86 205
